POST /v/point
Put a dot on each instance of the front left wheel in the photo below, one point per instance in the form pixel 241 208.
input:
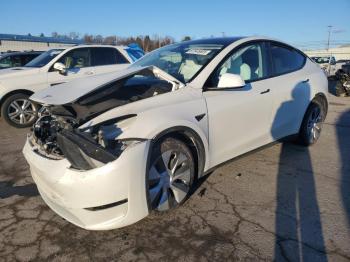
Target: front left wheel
pixel 170 175
pixel 18 111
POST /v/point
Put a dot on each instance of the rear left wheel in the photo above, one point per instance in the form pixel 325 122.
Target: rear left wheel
pixel 311 126
pixel 170 175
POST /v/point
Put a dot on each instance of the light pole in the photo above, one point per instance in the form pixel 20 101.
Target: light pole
pixel 329 36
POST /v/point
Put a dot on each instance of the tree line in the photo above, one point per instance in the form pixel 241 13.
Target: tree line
pixel 146 42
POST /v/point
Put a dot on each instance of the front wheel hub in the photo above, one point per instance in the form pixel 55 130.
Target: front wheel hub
pixel 169 180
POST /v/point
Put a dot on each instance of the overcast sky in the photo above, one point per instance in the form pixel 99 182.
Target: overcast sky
pixel 301 22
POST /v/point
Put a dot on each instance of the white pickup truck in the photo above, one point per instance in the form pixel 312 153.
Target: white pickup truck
pixel 328 64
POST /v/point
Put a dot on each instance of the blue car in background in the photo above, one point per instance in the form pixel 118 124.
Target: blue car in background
pixel 134 51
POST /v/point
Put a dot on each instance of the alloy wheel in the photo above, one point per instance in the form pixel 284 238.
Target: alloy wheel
pixel 21 111
pixel 314 124
pixel 169 180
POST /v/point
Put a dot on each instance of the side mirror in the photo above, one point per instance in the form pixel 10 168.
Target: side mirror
pixel 61 68
pixel 228 80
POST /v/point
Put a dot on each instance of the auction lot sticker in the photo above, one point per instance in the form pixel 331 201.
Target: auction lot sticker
pixel 198 51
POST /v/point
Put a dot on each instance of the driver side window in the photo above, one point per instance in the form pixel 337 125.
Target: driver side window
pixel 246 62
pixel 76 58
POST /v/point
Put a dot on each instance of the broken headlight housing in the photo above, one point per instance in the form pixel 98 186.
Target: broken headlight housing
pixel 94 146
pixel 85 153
pixel 107 135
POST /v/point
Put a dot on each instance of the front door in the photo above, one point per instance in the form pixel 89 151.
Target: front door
pixel 78 64
pixel 239 118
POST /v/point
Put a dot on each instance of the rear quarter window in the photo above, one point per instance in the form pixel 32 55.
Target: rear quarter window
pixel 285 59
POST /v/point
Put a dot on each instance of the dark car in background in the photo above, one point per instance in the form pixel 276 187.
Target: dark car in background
pixel 16 59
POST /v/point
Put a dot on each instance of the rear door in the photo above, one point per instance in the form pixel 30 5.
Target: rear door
pixel 107 59
pixel 290 87
pixel 78 64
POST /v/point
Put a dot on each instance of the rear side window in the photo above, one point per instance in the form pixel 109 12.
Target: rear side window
pixel 27 58
pixel 107 56
pixel 285 59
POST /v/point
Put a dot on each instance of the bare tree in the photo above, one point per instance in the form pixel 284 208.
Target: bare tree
pixel 89 39
pixel 146 42
pixel 110 40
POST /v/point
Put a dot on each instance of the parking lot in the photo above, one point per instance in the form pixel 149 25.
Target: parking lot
pixel 283 202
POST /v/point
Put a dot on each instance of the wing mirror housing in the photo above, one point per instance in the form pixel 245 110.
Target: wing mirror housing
pixel 61 68
pixel 228 80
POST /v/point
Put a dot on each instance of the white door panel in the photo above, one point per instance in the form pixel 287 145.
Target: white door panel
pixel 55 77
pixel 238 120
pixel 291 95
pixel 110 68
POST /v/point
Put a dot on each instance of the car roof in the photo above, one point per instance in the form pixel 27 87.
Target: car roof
pixel 21 53
pixel 97 45
pixel 216 40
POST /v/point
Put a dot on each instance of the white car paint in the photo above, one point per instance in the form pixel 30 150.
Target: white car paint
pixel 235 122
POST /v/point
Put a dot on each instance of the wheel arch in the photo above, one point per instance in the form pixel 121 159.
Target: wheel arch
pixel 323 99
pixel 191 138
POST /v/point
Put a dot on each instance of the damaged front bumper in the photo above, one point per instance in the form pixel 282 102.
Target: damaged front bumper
pixel 106 197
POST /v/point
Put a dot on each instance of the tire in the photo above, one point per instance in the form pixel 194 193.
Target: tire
pixel 339 89
pixel 18 111
pixel 311 126
pixel 170 175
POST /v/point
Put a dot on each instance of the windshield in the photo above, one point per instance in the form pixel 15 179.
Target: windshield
pixel 182 61
pixel 44 58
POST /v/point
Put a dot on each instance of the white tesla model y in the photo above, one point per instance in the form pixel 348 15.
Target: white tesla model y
pixel 108 149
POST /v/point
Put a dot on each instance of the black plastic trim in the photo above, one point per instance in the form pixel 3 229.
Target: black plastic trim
pixel 200 117
pixel 98 208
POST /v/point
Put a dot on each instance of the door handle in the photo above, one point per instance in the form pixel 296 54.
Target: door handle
pixel 305 81
pixel 89 73
pixel 57 83
pixel 264 92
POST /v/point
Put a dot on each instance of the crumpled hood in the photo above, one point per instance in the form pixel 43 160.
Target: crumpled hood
pixel 69 92
pixel 17 72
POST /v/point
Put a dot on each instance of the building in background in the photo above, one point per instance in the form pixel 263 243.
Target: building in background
pixel 9 42
pixel 340 53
